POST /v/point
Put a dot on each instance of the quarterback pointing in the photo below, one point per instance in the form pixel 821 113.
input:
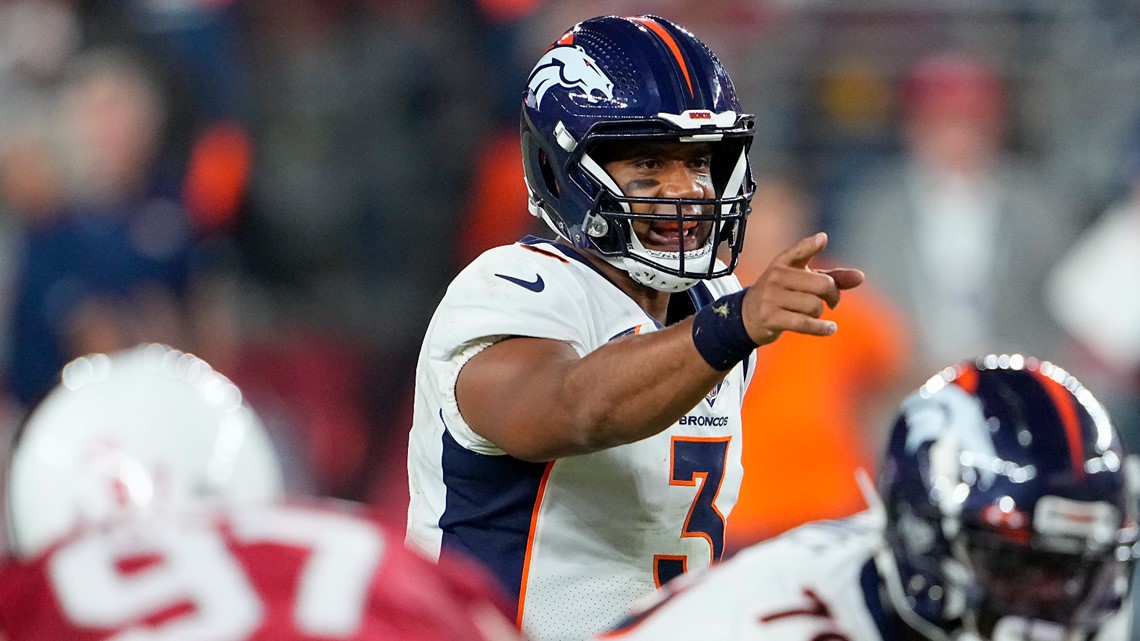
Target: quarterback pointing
pixel 1007 513
pixel 577 409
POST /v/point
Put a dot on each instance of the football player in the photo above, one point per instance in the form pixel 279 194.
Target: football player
pixel 144 502
pixel 577 410
pixel 1008 511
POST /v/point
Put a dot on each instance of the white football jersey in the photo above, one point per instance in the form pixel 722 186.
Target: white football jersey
pixel 817 581
pixel 577 539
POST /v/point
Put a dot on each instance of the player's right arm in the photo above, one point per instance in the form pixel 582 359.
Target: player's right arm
pixel 537 399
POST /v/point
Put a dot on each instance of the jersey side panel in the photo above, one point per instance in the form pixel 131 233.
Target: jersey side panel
pixel 483 489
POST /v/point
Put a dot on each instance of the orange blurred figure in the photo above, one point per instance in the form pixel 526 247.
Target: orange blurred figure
pixel 810 408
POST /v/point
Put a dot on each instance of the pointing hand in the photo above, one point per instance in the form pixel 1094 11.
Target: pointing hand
pixel 790 296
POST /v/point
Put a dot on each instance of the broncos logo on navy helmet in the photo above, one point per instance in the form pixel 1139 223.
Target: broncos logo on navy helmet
pixel 569 67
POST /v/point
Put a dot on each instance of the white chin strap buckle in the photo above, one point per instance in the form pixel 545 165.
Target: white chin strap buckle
pixel 656 279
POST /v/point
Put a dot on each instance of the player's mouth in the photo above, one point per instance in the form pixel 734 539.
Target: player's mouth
pixel 668 236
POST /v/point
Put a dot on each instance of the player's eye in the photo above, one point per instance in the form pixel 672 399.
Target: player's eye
pixel 702 162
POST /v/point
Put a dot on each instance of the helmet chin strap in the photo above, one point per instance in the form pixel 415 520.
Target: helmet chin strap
pixel 653 278
pixel 659 279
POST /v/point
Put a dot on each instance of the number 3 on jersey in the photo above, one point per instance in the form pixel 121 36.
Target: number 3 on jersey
pixel 693 458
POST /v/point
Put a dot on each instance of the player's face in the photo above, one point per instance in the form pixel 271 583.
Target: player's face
pixel 652 169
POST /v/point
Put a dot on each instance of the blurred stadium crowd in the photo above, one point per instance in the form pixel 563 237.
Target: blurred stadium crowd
pixel 284 187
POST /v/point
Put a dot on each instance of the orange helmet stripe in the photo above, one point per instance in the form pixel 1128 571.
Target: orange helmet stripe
pixel 967 378
pixel 667 38
pixel 1063 401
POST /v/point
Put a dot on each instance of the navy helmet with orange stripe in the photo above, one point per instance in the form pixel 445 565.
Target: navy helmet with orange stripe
pixel 612 78
pixel 1009 501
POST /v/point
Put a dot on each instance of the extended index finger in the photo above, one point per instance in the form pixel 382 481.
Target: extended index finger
pixel 800 254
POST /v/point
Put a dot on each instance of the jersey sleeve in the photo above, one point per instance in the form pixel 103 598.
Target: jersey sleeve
pixel 511 291
pixel 508 291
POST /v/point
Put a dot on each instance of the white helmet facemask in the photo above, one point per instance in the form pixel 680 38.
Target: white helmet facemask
pixel 647 273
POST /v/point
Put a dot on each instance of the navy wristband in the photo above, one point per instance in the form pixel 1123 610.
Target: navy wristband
pixel 719 334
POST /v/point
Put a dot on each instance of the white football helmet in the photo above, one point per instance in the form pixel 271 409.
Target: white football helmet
pixel 134 433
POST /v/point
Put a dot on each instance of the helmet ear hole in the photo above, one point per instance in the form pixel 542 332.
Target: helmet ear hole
pixel 724 159
pixel 548 177
pixel 538 169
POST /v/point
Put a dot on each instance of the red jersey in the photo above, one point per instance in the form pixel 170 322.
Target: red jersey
pixel 280 573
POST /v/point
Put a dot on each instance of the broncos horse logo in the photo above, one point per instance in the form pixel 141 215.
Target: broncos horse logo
pixel 569 67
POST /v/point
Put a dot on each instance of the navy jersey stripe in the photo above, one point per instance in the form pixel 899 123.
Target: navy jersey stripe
pixel 482 490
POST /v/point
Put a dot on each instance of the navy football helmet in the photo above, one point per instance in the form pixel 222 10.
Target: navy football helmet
pixel 1010 501
pixel 620 79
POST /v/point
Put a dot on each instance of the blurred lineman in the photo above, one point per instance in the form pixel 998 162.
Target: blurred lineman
pixel 577 411
pixel 144 503
pixel 1007 512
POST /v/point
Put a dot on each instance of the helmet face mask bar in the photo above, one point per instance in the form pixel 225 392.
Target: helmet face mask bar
pixel 1032 583
pixel 720 219
pixel 692 263
pixel 1010 502
pixel 667 87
